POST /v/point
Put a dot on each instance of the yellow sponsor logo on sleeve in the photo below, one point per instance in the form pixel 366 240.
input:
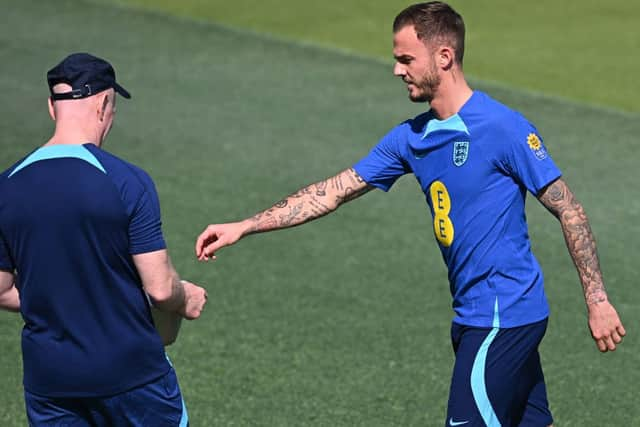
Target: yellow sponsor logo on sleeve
pixel 534 141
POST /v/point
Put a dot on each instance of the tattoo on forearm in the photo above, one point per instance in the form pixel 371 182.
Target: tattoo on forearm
pixel 288 218
pixel 320 188
pixel 311 202
pixel 318 208
pixel 263 221
pixel 560 201
pixel 300 193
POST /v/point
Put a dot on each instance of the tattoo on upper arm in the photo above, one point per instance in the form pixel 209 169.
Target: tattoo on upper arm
pixel 355 178
pixel 336 183
pixel 356 188
pixel 556 197
pixel 561 202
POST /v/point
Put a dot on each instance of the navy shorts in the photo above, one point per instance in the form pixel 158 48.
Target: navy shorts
pixel 157 404
pixel 497 378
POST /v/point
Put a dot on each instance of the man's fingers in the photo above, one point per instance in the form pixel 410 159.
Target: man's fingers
pixel 206 245
pixel 608 342
pixel 214 237
pixel 611 346
pixel 616 337
pixel 602 346
pixel 199 244
pixel 201 241
pixel 210 249
pixel 621 330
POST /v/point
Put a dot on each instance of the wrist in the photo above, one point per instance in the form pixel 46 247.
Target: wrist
pixel 595 298
pixel 248 226
pixel 183 298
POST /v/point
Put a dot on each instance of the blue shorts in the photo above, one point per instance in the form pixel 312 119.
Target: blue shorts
pixel 497 378
pixel 157 404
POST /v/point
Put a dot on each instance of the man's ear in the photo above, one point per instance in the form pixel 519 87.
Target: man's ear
pixel 52 110
pixel 445 57
pixel 103 108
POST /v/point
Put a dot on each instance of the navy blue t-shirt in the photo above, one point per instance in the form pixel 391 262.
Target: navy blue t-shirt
pixel 71 217
pixel 475 169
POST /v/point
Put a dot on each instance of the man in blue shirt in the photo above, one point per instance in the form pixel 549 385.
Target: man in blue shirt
pixel 82 257
pixel 475 159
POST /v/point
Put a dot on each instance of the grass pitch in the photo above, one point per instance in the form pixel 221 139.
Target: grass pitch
pixel 580 49
pixel 343 322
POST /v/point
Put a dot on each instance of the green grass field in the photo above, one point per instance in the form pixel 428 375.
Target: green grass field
pixel 580 49
pixel 343 322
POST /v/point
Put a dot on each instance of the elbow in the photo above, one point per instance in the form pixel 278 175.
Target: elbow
pixel 332 205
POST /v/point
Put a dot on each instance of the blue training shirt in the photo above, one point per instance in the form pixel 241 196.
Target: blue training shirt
pixel 475 169
pixel 71 217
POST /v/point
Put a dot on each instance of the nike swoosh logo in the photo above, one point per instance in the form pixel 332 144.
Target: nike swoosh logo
pixel 456 423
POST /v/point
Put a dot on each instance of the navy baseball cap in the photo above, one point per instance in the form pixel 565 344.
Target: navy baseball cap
pixel 86 74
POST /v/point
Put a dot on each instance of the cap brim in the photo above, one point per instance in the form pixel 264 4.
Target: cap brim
pixel 122 91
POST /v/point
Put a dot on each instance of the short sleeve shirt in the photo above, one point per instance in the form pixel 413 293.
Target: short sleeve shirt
pixel 71 217
pixel 475 169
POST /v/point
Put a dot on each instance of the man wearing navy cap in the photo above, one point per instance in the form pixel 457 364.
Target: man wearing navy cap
pixel 82 257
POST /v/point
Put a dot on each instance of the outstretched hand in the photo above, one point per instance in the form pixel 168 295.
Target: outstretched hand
pixel 217 236
pixel 606 327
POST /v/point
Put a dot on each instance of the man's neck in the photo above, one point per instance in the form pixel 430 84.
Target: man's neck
pixel 450 98
pixel 72 135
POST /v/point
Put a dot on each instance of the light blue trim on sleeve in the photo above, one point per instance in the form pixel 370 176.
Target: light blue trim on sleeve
pixel 58 152
pixel 478 385
pixel 454 123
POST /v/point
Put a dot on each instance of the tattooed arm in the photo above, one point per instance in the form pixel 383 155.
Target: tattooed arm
pixel 304 205
pixel 605 325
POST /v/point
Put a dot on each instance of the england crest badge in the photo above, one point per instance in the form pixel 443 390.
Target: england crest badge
pixel 460 152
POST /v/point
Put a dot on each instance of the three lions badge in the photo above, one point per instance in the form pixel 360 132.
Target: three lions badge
pixel 460 152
